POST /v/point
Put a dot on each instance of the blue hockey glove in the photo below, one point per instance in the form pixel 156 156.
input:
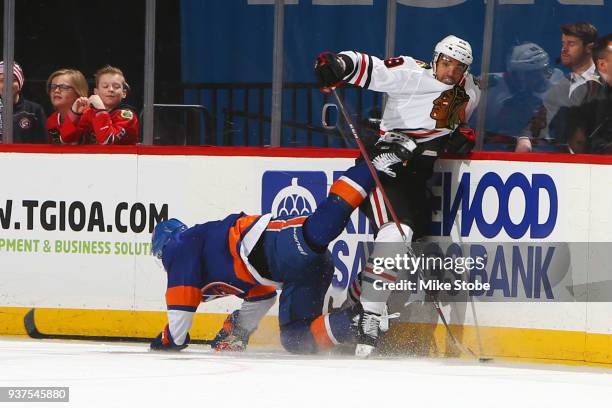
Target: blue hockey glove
pixel 165 342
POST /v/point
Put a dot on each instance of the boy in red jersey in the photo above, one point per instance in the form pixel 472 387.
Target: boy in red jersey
pixel 111 120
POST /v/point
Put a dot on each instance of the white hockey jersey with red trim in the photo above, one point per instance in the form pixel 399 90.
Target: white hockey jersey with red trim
pixel 418 104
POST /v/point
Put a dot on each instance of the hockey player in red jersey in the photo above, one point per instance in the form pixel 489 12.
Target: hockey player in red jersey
pixel 111 121
pixel 428 104
pixel 253 256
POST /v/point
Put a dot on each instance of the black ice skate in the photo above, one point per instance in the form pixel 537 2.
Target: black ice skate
pixel 369 327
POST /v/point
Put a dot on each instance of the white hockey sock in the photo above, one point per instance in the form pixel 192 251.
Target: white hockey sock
pixel 380 270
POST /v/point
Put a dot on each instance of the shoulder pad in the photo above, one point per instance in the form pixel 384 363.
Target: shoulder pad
pixel 476 82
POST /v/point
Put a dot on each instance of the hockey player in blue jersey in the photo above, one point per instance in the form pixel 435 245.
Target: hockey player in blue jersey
pixel 251 256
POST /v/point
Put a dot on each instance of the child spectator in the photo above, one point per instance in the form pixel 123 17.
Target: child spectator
pixel 112 121
pixel 68 91
pixel 28 117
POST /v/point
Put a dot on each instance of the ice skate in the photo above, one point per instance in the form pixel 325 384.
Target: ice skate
pixel 369 327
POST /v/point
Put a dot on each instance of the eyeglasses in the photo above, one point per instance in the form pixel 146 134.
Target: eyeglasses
pixel 61 87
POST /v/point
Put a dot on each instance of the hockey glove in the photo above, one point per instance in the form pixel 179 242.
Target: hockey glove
pixel 330 69
pixel 231 337
pixel 165 342
pixel 461 141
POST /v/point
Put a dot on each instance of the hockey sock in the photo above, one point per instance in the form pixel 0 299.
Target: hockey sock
pixel 331 216
pixel 332 329
pixel 354 291
pixel 296 337
pixel 377 273
pixel 321 333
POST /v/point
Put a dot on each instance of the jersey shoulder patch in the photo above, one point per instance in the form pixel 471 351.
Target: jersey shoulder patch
pixel 127 114
pixel 393 62
pixel 422 64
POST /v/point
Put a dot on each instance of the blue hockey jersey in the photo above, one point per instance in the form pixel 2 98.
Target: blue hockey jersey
pixel 210 260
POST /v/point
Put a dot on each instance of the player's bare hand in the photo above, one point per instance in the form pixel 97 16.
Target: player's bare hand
pixel 523 145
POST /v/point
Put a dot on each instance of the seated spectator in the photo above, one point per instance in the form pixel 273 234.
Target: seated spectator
pixel 68 92
pixel 594 116
pixel 577 41
pixel 111 120
pixel 515 99
pixel 28 117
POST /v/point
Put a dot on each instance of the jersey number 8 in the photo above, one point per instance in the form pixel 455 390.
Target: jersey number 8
pixel 394 62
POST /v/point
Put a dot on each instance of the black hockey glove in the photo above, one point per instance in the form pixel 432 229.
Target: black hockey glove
pixel 461 141
pixel 330 69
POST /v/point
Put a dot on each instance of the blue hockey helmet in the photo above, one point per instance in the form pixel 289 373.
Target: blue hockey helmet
pixel 162 234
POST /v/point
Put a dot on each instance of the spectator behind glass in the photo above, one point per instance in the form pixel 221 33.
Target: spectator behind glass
pixel 68 92
pixel 515 97
pixel 577 41
pixel 28 117
pixel 111 120
pixel 593 117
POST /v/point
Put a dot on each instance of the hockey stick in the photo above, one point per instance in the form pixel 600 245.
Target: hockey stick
pixel 387 202
pixel 477 326
pixel 33 332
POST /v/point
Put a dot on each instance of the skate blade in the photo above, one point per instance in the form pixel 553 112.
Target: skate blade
pixel 363 350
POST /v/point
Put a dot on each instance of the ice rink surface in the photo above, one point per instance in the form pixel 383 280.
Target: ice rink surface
pixel 128 375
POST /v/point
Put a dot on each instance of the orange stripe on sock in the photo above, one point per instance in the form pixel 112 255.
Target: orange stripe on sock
pixel 319 332
pixel 347 192
pixel 183 296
